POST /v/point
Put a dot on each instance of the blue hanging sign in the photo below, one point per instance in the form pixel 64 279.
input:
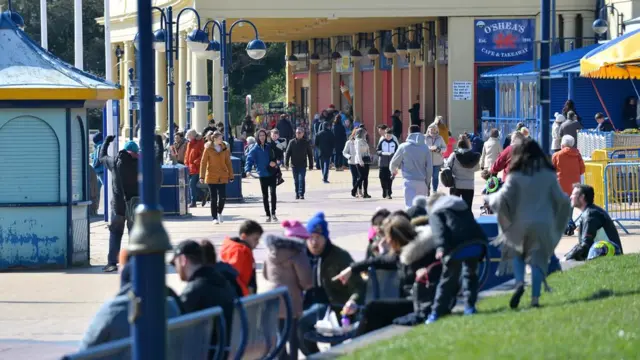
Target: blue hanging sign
pixel 198 98
pixel 499 40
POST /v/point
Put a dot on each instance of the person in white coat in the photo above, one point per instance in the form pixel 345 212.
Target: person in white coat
pixel 437 146
pixel 490 150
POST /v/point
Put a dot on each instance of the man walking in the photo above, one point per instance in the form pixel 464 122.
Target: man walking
pixel 298 151
pixel 325 141
pixel 414 159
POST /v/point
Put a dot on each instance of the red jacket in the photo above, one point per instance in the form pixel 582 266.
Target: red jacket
pixel 569 166
pixel 238 254
pixel 502 163
pixel 193 155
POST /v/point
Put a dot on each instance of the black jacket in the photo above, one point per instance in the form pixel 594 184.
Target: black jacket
pixel 397 127
pixel 325 142
pixel 605 126
pixel 453 224
pixel 340 136
pixel 231 274
pixel 629 114
pixel 208 288
pixel 248 128
pixel 298 151
pixel 414 112
pixel 207 129
pixel 286 129
pixel 592 219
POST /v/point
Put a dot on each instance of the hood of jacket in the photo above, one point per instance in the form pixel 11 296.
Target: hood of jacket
pixel 209 275
pixel 226 269
pixel 419 247
pixel 415 138
pixel 282 248
pixel 448 202
pixel 467 158
pixel 209 145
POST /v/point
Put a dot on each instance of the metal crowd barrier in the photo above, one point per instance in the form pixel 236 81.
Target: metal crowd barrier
pixel 622 191
pixel 255 329
pixel 188 337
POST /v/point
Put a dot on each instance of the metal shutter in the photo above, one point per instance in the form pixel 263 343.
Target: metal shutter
pixel 30 154
pixel 77 159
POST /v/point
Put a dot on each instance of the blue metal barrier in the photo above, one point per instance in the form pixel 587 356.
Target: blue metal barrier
pixel 508 125
pixel 622 192
pixel 189 337
pixel 255 330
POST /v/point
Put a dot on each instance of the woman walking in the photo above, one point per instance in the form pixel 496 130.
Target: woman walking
pixel 192 159
pixel 340 139
pixel 436 145
pixel 349 153
pixel 216 172
pixel 363 161
pixel 463 164
pixel 262 157
pixel 287 264
pixel 532 214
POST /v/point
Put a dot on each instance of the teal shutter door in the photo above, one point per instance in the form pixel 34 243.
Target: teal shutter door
pixel 76 159
pixel 30 160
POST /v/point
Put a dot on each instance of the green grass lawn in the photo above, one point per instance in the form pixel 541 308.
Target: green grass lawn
pixel 592 313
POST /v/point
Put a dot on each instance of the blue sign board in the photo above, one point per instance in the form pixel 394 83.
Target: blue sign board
pixel 500 40
pixel 198 98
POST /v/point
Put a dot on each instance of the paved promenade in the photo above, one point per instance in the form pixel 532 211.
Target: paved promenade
pixel 43 314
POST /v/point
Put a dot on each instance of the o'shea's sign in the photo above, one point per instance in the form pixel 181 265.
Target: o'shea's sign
pixel 500 40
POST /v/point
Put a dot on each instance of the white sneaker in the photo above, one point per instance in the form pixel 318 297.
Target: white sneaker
pixel 220 218
pixel 216 221
pixel 274 218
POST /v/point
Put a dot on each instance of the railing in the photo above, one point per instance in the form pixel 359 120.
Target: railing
pixel 508 125
pixel 622 191
pixel 255 329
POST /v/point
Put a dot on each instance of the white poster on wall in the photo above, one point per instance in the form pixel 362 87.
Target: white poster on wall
pixel 462 90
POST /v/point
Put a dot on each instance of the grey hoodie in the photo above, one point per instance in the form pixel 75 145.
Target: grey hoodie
pixel 414 159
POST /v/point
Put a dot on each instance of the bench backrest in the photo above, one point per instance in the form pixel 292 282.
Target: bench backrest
pixel 255 330
pixel 188 337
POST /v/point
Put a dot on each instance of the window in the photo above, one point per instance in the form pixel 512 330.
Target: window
pixel 300 47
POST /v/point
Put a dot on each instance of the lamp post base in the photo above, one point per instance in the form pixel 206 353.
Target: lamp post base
pixel 148 234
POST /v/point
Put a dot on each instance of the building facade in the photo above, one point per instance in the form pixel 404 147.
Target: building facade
pixel 456 40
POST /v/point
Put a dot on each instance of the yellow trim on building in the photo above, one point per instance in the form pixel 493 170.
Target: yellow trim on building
pixel 60 94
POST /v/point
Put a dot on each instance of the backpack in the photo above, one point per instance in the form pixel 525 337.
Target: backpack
pixel 446 175
pixel 96 164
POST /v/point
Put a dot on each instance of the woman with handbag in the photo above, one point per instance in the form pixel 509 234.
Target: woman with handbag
pixel 363 161
pixel 262 157
pixel 462 165
pixel 216 171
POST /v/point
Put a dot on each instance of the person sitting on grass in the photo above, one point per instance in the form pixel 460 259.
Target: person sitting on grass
pixel 453 225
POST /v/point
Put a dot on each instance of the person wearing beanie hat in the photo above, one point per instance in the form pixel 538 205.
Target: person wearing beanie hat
pixel 287 264
pixel 418 208
pixel 327 261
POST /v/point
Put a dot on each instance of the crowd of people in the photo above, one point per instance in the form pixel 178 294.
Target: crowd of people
pixel 421 243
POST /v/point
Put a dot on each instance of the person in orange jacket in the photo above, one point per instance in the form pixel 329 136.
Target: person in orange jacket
pixel 568 163
pixel 192 159
pixel 238 252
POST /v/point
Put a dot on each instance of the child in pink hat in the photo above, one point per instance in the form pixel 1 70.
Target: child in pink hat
pixel 293 228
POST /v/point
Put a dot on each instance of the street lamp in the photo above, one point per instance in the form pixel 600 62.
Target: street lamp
pixel 256 49
pixel 163 42
pixel 601 25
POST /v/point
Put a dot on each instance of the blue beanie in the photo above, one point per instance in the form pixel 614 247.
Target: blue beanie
pixel 97 138
pixel 132 147
pixel 318 225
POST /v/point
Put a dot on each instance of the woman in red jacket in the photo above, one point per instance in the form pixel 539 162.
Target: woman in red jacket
pixel 192 159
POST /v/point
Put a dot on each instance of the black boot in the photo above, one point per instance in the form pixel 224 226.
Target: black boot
pixel 515 298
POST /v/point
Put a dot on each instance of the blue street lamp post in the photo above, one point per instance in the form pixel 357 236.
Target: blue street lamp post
pixel 256 49
pixel 149 240
pixel 163 42
pixel 189 107
pixel 132 98
pixel 545 82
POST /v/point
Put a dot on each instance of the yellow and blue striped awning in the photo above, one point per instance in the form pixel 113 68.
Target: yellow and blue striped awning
pixel 617 59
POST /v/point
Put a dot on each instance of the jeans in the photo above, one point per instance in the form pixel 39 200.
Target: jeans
pixel 218 198
pixel 316 157
pixel 363 177
pixel 195 192
pixel 435 177
pixel 338 158
pixel 413 188
pixel 449 282
pixel 268 187
pixel 292 354
pixel 299 174
pixel 354 175
pixel 307 323
pixel 385 181
pixel 326 162
pixel 116 230
pixel 536 276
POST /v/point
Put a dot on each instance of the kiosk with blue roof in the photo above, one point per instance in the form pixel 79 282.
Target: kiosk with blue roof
pixel 44 200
